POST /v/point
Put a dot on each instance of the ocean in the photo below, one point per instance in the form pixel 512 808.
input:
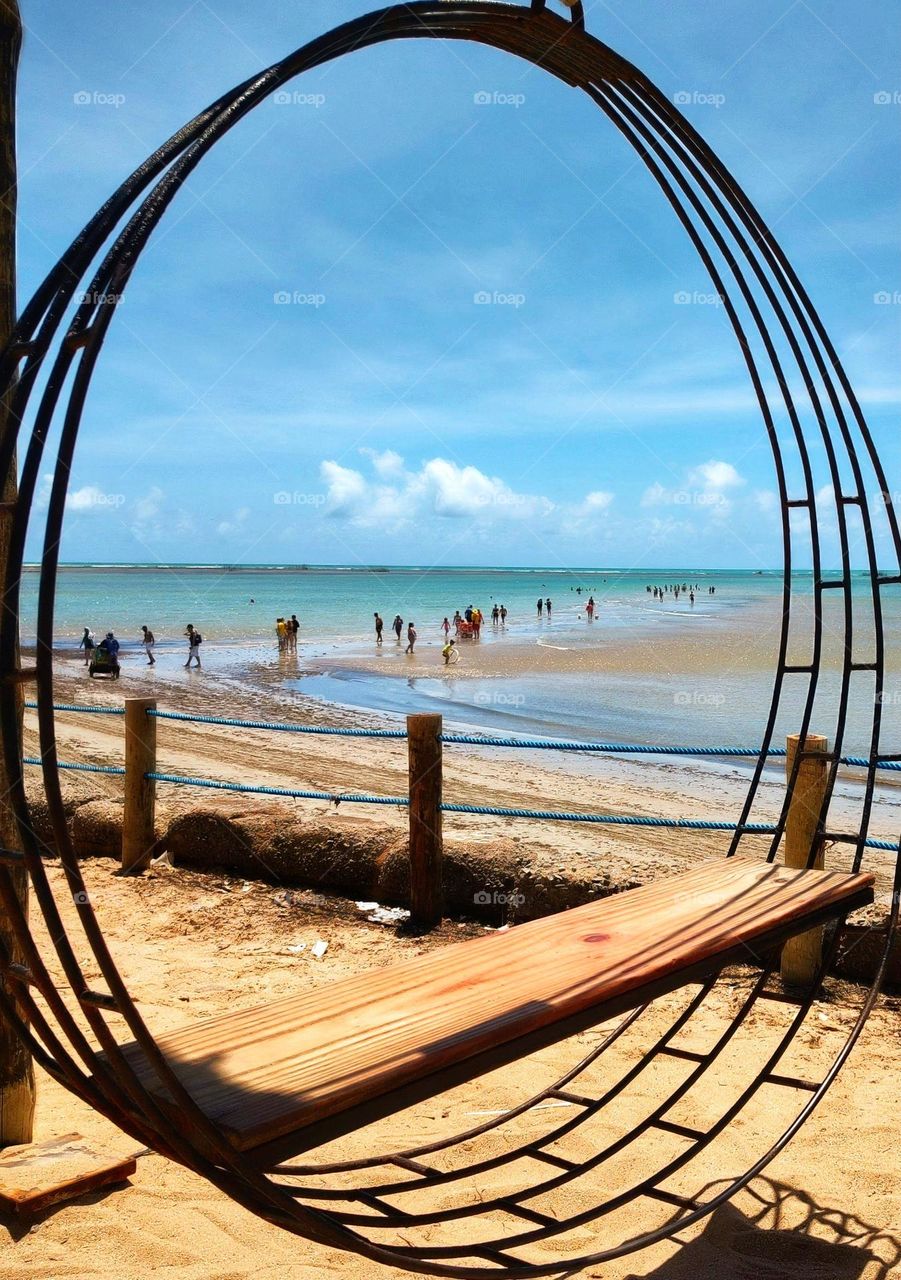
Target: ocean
pixel 645 671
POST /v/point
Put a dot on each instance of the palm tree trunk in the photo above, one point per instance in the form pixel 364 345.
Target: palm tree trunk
pixel 17 1092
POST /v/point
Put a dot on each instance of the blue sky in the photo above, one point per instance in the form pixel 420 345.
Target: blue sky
pixel 430 308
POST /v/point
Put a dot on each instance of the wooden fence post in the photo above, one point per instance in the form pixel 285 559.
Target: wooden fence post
pixel 426 847
pixel 139 817
pixel 801 955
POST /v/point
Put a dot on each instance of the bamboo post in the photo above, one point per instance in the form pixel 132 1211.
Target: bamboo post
pixel 139 817
pixel 17 1088
pixel 801 954
pixel 426 848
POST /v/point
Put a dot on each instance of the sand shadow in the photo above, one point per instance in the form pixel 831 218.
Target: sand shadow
pixel 773 1231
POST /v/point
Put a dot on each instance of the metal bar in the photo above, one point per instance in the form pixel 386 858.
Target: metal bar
pixel 681 1130
pixel 689 1055
pixel 100 1000
pixel 792 1082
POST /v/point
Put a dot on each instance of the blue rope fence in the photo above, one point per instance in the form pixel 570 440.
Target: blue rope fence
pixel 80 768
pixel 480 810
pixel 477 740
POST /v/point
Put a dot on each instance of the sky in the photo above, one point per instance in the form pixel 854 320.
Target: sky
pixel 426 306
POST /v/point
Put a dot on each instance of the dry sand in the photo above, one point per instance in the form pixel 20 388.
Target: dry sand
pixel 828 1208
pixel 191 945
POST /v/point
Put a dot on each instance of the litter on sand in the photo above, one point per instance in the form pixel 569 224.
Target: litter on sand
pixel 162 861
pixel 319 949
pixel 378 914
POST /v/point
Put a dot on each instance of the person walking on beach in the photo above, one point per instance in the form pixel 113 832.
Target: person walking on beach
pixel 195 639
pixel 411 637
pixel 495 615
pixel 148 642
pixel 503 615
pixel 293 628
pixel 477 622
pixel 547 606
pixel 445 627
pixel 378 628
pixel 457 621
pixel 540 605
pixel 398 625
pixel 87 643
pixel 589 608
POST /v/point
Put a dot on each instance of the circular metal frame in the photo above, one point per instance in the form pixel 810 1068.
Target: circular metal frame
pixel 805 402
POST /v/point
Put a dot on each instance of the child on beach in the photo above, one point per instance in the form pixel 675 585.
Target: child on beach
pixel 148 642
pixel 87 643
pixel 449 652
pixel 445 627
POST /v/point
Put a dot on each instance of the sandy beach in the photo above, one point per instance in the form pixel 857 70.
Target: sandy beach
pixel 191 945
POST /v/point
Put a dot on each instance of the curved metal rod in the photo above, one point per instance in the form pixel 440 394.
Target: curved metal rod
pixel 566 52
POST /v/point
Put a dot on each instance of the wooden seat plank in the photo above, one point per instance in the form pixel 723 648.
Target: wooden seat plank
pixel 266 1072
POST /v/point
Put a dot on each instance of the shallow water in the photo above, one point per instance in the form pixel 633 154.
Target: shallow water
pixel 647 671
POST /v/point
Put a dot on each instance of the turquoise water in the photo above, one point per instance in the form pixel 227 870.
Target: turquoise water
pixel 336 605
pixel 235 609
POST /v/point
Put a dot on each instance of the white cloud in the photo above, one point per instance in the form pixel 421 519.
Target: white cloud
pixel 440 487
pixel 235 524
pixel 148 507
pixel 715 476
pixel 599 500
pixel 388 465
pixel 346 490
pixel 708 487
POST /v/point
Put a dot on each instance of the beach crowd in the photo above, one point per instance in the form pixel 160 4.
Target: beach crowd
pixel 103 658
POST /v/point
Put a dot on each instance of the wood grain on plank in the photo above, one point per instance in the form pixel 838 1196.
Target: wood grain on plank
pixel 265 1072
